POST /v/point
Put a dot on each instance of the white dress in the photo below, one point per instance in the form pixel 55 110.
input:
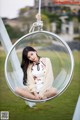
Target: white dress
pixel 38 75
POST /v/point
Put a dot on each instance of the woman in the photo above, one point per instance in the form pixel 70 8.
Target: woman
pixel 37 76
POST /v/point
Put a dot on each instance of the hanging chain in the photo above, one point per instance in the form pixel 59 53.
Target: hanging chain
pixel 38 24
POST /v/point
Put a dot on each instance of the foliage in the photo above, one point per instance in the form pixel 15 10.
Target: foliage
pixel 51 16
pixel 13 32
pixel 27 18
pixel 46 22
pixel 54 18
pixel 58 25
pixel 77 38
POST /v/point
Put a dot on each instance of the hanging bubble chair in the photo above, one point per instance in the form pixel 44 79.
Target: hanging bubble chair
pixel 48 45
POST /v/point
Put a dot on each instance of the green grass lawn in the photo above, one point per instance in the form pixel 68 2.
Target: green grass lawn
pixel 60 108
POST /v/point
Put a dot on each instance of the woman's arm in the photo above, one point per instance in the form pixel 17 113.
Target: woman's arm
pixel 30 80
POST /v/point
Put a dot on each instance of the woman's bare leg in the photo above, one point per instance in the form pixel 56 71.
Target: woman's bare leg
pixel 24 92
pixel 51 92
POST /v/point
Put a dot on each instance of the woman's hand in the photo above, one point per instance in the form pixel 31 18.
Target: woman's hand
pixel 37 96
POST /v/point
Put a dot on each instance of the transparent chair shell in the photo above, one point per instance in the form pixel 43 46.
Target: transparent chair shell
pixel 48 45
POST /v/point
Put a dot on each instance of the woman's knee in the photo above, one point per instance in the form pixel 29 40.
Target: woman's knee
pixel 17 90
pixel 53 91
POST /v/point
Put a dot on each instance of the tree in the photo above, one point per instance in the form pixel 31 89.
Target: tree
pixel 28 16
pixel 14 33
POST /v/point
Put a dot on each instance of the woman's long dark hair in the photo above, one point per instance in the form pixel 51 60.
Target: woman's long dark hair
pixel 25 62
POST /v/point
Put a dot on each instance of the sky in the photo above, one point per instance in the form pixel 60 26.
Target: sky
pixel 10 8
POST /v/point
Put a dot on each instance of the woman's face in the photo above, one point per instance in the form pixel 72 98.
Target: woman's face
pixel 32 56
